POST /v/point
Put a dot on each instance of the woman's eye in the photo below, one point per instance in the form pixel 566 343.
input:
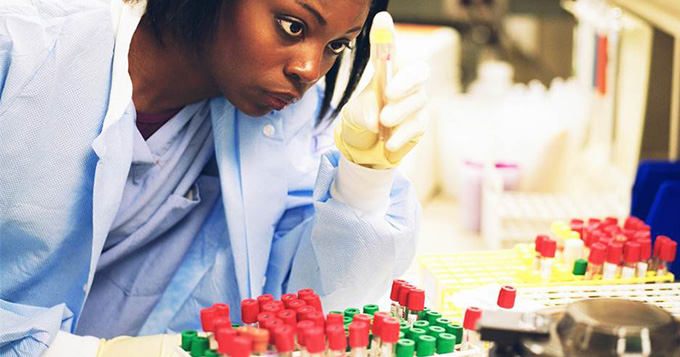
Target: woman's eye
pixel 291 27
pixel 338 47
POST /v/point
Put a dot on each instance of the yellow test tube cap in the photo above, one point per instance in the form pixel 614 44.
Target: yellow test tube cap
pixel 382 29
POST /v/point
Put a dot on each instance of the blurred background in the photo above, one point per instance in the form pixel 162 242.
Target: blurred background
pixel 541 110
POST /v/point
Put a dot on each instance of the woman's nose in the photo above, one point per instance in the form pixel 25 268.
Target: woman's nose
pixel 305 66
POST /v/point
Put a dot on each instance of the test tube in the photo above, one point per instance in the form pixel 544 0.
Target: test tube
pixel 611 264
pixel 506 297
pixel 287 298
pixel 188 337
pixel 302 328
pixel 199 345
pixel 405 348
pixel 537 247
pixel 598 252
pixel 335 319
pixel 660 239
pixel 261 340
pixel 273 307
pixel 304 292
pixel 358 339
pixel 580 266
pixel 314 301
pixel 457 331
pixel 446 343
pixel 225 339
pixel 376 329
pixel 394 296
pixel 241 347
pixel 425 346
pixel 573 248
pixel 470 335
pixel 250 308
pixel 415 305
pixel 337 340
pixel 548 248
pixel 382 48
pixel 645 257
pixel 315 342
pixel 284 340
pixel 666 257
pixel 370 309
pixel 631 257
pixel 264 299
pixel 403 300
pixel 389 335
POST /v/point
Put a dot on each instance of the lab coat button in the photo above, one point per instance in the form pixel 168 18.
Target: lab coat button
pixel 269 130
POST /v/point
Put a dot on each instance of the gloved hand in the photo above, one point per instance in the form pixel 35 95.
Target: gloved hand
pixel 144 346
pixel 356 137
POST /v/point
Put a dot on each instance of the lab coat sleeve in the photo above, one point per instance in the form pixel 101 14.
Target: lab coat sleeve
pixel 29 330
pixel 348 257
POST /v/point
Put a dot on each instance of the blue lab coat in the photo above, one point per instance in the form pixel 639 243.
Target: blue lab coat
pixel 67 126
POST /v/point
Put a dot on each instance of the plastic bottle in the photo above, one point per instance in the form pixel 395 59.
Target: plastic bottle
pixel 631 257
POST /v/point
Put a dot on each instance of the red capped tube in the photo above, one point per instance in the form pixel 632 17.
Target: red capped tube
pixel 335 319
pixel 337 341
pixel 287 298
pixel 289 317
pixel 250 308
pixel 273 307
pixel 208 319
pixel 389 332
pixel 304 292
pixel 358 335
pixel 506 297
pixel 264 299
pixel 225 337
pixel 284 339
pixel 241 346
pixel 315 340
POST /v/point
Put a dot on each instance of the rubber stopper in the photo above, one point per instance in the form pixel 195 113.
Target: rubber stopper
pixel 611 221
pixel 370 309
pixel 304 292
pixel 337 340
pixel 405 348
pixel 296 304
pixel 446 342
pixel 286 298
pixel 548 248
pixel 250 308
pixel 506 297
pixel 315 340
pixel 317 318
pixel 657 245
pixel 456 330
pixel 435 331
pixel 222 309
pixel 225 338
pixel 597 254
pixel 432 316
pixel 472 315
pixel 335 319
pixel 378 318
pixel 539 241
pixel 631 252
pixel 289 317
pixel 241 346
pixel 363 318
pixel 221 321
pixel 415 332
pixel 642 235
pixel 263 317
pixel 416 300
pixel 273 307
pixel 313 300
pixel 425 346
pixel 580 267
pixel 645 249
pixel 668 250
pixel 442 321
pixel 208 319
pixel 396 285
pixel 404 326
pixel 304 311
pixel 199 346
pixel 358 334
pixel 264 299
pixel 187 338
pixel 403 294
pixel 284 338
pixel 424 324
pixel 389 332
pixel 352 311
pixel 302 328
pixel 614 253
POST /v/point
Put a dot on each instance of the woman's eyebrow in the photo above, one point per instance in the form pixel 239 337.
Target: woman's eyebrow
pixel 313 11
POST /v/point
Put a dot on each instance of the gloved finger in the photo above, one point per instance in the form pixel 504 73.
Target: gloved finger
pixel 399 154
pixel 395 113
pixel 407 80
pixel 408 130
pixel 357 135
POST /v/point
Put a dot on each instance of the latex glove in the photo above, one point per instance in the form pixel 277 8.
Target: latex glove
pixel 356 137
pixel 144 346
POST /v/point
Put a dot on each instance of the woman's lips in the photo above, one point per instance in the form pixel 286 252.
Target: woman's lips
pixel 278 101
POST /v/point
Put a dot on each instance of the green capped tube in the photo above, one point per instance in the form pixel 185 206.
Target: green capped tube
pixel 414 332
pixel 446 342
pixel 405 348
pixel 424 324
pixel 370 309
pixel 350 312
pixel 199 346
pixel 456 330
pixel 188 337
pixel 211 353
pixel 404 326
pixel 425 346
pixel 435 331
pixel 432 316
pixel 442 321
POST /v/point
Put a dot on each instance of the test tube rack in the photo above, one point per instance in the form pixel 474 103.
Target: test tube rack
pixel 471 352
pixel 446 274
pixel 665 296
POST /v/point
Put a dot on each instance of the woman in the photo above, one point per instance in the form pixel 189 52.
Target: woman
pixel 150 168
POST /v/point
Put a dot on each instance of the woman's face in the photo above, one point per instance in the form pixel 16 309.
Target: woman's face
pixel 268 53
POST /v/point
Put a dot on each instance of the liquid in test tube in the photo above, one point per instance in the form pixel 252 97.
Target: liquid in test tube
pixel 382 49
